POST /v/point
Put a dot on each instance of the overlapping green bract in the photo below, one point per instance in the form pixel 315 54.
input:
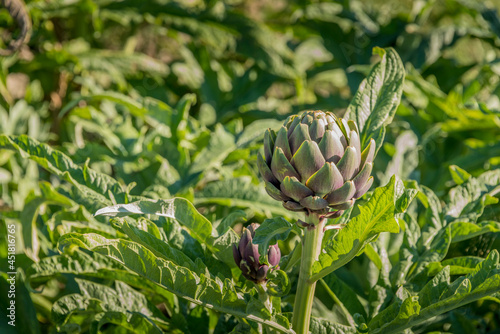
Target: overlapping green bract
pixel 315 163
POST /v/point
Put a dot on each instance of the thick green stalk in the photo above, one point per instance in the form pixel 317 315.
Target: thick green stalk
pixel 263 296
pixel 311 248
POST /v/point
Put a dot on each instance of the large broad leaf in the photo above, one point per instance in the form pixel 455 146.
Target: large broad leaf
pixel 458 175
pixel 29 215
pixel 148 234
pixel 76 219
pixel 378 96
pixel 156 245
pixel 186 214
pixel 89 182
pixel 342 295
pixel 98 305
pixel 220 145
pixel 435 252
pixel 438 296
pixel 463 230
pixel 200 288
pixel 325 327
pixel 179 209
pixel 458 265
pixel 376 216
pixel 270 232
pixel 433 216
pixel 468 200
pixel 405 158
pixel 91 265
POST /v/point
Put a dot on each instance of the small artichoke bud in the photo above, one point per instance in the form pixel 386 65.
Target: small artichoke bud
pixel 246 256
pixel 315 163
pixel 274 255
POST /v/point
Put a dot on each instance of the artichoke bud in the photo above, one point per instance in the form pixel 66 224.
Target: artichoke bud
pixel 246 256
pixel 315 163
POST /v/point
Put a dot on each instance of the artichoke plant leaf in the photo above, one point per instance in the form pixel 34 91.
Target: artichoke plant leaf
pixel 270 231
pixel 376 216
pixel 91 188
pixel 438 296
pixel 137 266
pixel 378 97
pixel 177 208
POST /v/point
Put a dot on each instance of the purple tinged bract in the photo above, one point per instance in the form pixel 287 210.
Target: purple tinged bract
pixel 246 256
pixel 315 163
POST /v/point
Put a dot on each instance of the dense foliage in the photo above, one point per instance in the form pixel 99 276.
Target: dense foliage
pixel 113 104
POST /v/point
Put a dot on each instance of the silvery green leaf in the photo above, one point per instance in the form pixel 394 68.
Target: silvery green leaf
pixel 377 98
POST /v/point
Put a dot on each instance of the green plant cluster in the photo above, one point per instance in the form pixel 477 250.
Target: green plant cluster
pixel 129 140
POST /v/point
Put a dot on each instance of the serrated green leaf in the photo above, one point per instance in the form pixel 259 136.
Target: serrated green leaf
pixel 158 246
pixel 178 208
pixel 29 215
pixel 220 145
pixel 269 232
pixel 458 174
pixel 458 265
pixel 432 291
pixel 463 230
pixel 377 98
pixel 91 265
pixel 436 251
pixel 199 289
pixel 376 216
pixel 344 296
pixel 76 219
pixel 98 304
pixel 391 311
pixel 186 214
pixel 322 326
pixel 438 296
pixel 86 180
pixel 468 200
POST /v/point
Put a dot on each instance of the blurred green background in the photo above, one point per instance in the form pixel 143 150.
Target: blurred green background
pixel 158 95
pixel 250 60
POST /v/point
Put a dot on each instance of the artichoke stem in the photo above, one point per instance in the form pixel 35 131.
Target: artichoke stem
pixel 311 248
pixel 264 296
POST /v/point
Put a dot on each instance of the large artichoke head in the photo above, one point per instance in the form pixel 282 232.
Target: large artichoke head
pixel 315 163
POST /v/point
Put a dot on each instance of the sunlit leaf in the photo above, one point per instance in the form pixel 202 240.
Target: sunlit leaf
pixel 377 98
pixel 376 216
